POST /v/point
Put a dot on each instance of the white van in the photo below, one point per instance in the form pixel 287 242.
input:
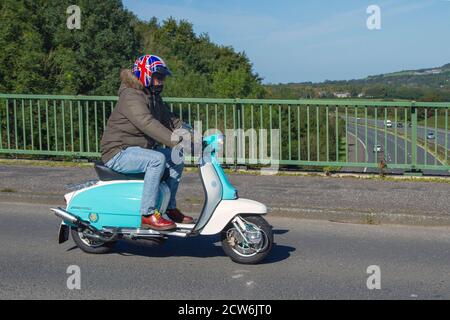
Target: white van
pixel 388 123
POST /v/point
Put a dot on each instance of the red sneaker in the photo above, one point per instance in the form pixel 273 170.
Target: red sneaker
pixel 178 217
pixel 156 222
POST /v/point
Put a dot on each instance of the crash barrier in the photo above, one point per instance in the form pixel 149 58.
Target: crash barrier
pixel 339 133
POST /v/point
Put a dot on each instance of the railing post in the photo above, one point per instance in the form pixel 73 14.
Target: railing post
pixel 414 170
pixel 414 135
pixel 237 133
pixel 80 127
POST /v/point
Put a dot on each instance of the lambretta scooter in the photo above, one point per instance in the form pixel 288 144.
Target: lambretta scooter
pixel 101 212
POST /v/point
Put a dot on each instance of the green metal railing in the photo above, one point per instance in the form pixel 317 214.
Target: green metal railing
pixel 324 133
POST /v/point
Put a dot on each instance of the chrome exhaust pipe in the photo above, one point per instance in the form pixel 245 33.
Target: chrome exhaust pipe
pixel 66 216
pixel 73 219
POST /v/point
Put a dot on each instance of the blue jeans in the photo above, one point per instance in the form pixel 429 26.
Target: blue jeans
pixel 153 163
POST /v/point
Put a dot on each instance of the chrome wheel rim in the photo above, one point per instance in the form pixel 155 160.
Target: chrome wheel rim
pixel 243 249
pixel 89 242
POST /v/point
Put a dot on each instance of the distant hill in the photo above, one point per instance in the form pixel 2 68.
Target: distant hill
pixel 430 78
pixel 432 84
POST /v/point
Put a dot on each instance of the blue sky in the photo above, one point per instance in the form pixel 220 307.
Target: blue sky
pixel 315 40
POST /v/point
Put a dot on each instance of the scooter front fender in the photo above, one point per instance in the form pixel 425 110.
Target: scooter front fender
pixel 227 210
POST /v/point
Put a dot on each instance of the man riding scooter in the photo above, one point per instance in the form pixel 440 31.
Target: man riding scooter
pixel 137 124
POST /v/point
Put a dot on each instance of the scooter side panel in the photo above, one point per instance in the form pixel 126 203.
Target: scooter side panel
pixel 227 210
pixel 109 204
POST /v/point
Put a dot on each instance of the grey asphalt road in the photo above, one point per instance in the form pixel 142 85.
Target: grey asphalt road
pixel 311 260
pixel 330 198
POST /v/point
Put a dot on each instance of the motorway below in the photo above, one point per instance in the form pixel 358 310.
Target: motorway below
pixel 440 137
pixel 392 155
pixel 311 260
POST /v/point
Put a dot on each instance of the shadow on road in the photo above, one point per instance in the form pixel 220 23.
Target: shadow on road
pixel 198 247
pixel 280 231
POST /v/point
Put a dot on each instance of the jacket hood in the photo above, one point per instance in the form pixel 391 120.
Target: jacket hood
pixel 129 80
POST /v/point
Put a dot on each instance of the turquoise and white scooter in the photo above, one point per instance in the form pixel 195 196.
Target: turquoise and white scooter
pixel 99 213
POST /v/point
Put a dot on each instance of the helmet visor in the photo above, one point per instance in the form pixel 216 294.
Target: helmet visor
pixel 164 71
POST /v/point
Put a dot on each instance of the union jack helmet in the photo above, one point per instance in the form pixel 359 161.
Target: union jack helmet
pixel 145 66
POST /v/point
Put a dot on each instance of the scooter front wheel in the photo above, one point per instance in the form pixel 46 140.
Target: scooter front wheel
pixel 88 245
pixel 249 246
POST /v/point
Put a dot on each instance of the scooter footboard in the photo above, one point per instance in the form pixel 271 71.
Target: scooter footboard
pixel 227 210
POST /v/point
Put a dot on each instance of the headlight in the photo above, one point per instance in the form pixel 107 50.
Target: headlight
pixel 220 140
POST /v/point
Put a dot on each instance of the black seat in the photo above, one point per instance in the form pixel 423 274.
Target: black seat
pixel 106 174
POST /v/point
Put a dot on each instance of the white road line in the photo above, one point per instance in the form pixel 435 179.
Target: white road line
pixel 365 148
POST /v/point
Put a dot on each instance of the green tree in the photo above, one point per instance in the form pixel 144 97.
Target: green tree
pixel 22 52
pixel 40 54
pixel 200 68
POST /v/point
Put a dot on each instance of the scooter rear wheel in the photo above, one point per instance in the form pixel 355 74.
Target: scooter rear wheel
pixel 241 252
pixel 88 245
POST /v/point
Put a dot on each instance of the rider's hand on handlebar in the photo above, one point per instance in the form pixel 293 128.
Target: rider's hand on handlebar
pixel 191 142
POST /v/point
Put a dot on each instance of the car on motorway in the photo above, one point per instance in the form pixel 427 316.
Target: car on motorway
pixel 377 148
pixel 430 135
pixel 388 123
pixel 399 125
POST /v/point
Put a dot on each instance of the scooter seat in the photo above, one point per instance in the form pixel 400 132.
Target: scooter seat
pixel 106 174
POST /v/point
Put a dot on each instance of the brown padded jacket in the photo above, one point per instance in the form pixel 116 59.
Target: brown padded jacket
pixel 139 119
